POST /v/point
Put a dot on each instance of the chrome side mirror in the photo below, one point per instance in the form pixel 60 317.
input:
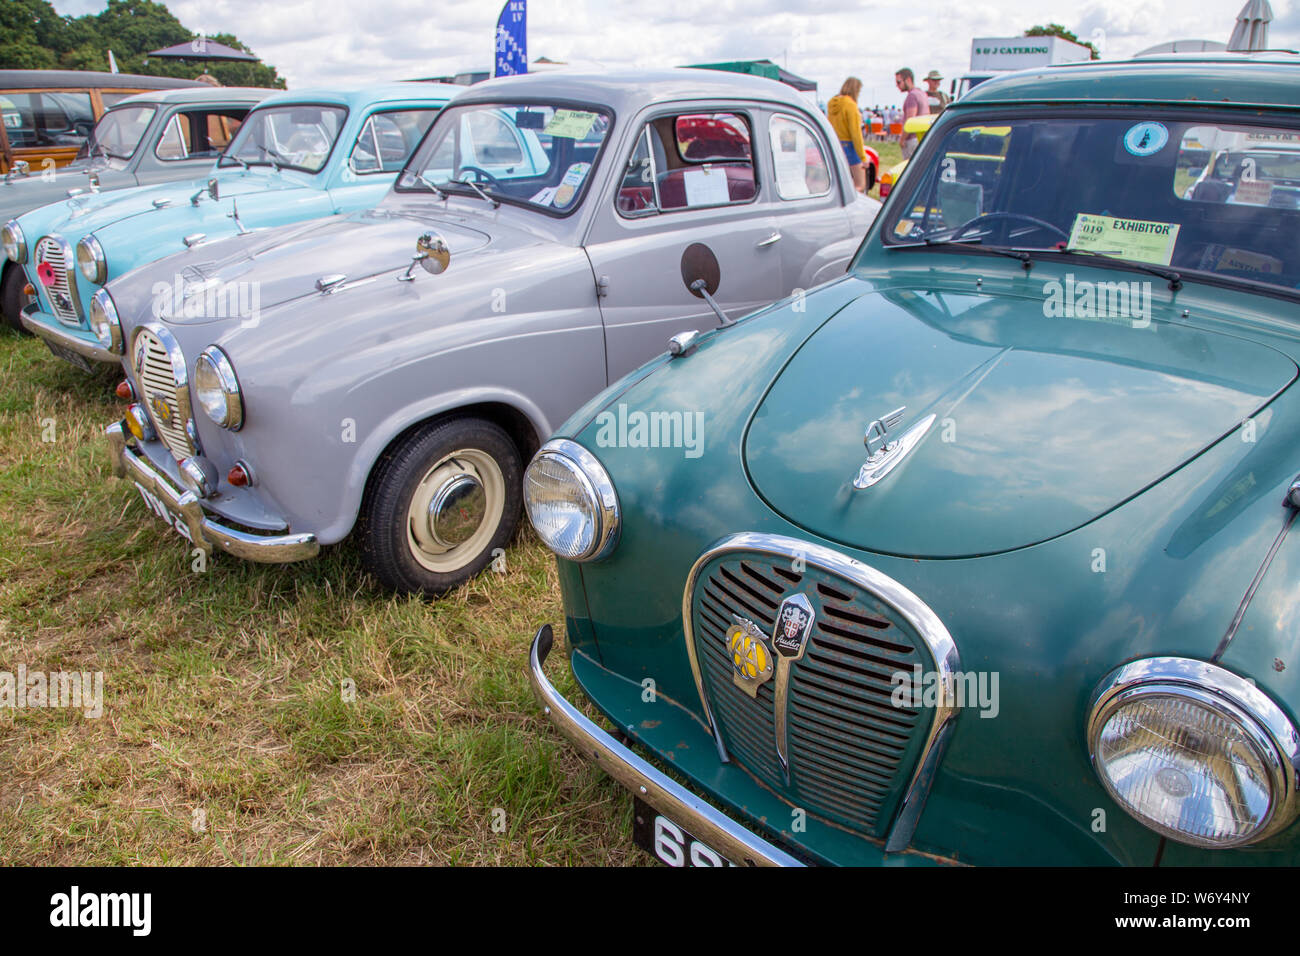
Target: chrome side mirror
pixel 212 189
pixel 433 252
pixel 20 168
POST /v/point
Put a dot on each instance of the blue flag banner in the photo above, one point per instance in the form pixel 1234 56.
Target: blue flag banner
pixel 512 39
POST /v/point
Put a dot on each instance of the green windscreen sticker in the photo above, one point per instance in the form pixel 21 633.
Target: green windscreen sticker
pixel 1135 239
pixel 571 124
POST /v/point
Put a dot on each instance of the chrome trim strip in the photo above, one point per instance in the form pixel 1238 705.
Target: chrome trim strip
pixel 939 643
pixel 666 795
pixel 204 532
pixel 66 339
pixel 1269 726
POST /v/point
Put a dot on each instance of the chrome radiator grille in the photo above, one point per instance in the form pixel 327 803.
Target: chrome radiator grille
pixel 163 388
pixel 851 753
pixel 58 294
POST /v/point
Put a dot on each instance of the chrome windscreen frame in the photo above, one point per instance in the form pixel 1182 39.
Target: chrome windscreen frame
pixel 915 612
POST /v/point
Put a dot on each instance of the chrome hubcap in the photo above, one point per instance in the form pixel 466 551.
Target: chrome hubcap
pixel 456 510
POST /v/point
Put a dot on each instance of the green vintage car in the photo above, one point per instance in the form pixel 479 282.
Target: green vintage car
pixel 979 553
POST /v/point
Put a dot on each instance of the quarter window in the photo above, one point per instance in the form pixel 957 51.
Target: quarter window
pixel 387 139
pixel 689 161
pixel 800 164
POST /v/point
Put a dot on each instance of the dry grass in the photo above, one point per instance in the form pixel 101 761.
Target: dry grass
pixel 222 690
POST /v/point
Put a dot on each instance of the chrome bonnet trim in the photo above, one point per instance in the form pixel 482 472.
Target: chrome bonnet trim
pixel 666 795
pixel 938 642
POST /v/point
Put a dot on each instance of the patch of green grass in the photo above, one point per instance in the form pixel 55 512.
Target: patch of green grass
pixel 229 733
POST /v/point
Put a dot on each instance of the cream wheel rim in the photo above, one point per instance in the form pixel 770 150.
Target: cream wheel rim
pixel 455 511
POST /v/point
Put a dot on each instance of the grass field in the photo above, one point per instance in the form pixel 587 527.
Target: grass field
pixel 225 735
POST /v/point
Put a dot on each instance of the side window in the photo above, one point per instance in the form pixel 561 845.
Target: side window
pixel 175 140
pixel 46 119
pixel 220 128
pixel 387 139
pixel 701 159
pixel 801 167
pixel 636 194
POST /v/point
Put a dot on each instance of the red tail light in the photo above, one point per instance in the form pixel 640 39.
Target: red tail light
pixel 124 390
pixel 237 477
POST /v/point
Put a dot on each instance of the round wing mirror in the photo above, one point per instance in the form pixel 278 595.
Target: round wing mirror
pixel 433 252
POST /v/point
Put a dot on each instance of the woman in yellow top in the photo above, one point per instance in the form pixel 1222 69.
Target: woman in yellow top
pixel 846 120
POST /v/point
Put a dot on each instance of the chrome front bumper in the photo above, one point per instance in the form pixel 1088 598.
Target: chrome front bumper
pixel 204 532
pixel 67 339
pixel 670 798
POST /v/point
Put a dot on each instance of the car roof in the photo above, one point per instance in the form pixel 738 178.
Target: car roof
pixel 198 94
pixel 629 90
pixel 87 79
pixel 1268 78
pixel 363 96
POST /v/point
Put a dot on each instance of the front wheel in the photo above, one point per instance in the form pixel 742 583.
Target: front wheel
pixel 12 298
pixel 440 503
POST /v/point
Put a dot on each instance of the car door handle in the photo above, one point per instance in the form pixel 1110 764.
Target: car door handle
pixel 774 237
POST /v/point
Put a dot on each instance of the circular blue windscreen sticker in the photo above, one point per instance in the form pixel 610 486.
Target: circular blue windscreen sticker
pixel 1145 139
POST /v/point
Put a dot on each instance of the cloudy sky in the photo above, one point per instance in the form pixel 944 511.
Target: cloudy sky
pixel 321 42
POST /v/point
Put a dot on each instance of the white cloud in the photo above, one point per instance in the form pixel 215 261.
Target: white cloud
pixel 324 42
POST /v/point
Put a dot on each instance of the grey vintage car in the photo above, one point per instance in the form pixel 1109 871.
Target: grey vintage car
pixel 149 138
pixel 388 372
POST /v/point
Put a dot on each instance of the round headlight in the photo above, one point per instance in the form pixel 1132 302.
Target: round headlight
pixel 571 501
pixel 13 241
pixel 217 388
pixel 104 321
pixel 91 261
pixel 1194 752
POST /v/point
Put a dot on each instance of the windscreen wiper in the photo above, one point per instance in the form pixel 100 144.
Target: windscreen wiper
pixel 1169 275
pixel 438 190
pixel 272 155
pixel 1019 255
pixel 496 203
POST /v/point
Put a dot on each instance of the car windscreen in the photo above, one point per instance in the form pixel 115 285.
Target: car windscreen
pixel 290 136
pixel 529 154
pixel 118 133
pixel 1171 191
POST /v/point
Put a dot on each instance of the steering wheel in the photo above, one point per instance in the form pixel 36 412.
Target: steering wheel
pixel 482 175
pixel 1005 216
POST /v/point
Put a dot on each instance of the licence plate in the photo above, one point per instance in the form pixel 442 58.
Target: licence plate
pixel 70 356
pixel 159 507
pixel 668 842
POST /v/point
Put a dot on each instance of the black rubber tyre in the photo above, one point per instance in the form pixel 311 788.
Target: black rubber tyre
pixel 12 299
pixel 399 548
pixel 871 176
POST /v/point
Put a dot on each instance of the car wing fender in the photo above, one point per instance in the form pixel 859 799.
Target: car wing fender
pixel 380 437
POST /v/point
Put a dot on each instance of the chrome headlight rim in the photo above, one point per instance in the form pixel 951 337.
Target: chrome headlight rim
pixel 14 242
pixel 599 489
pixel 110 333
pixel 1266 726
pixel 215 358
pixel 91 261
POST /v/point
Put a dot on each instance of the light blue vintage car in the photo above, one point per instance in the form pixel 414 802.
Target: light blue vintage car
pixel 157 137
pixel 298 156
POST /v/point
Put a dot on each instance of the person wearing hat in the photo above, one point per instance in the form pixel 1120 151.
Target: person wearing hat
pixel 938 98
